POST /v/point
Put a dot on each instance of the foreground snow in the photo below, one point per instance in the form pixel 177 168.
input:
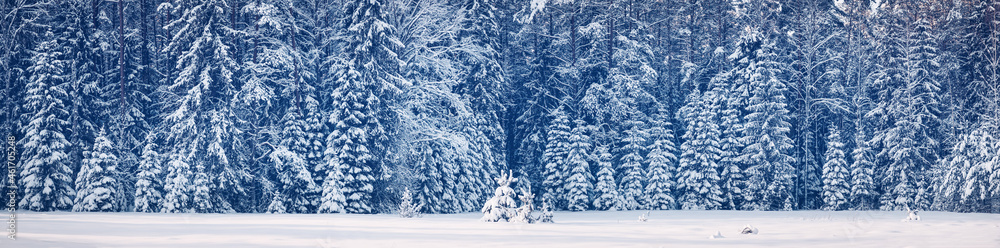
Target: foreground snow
pixel 573 229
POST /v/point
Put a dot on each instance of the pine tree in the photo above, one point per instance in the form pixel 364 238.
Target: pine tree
pixel 177 187
pixel 909 108
pixel 483 81
pixel 980 180
pixel 97 184
pixel 201 196
pixel 661 164
pixel 332 198
pixel 698 176
pixel 768 146
pixel 501 206
pixel 46 175
pixel 436 176
pixel 149 184
pixel 579 181
pixel 556 150
pixel 730 144
pixel 202 126
pixel 863 195
pixel 361 113
pixel 836 189
pixel 632 180
pixel 605 190
pixel 296 187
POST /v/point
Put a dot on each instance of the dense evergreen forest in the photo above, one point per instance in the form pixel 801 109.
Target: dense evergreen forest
pixel 339 106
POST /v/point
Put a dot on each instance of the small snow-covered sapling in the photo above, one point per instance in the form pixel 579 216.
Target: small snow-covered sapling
pixel 912 216
pixel 546 216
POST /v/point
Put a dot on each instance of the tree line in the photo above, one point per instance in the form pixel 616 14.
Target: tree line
pixel 329 106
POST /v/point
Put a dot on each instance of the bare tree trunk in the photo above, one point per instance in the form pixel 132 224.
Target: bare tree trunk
pixel 298 83
pixel 121 70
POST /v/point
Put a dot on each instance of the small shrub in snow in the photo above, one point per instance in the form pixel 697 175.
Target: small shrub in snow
pixel 644 217
pixel 748 229
pixel 912 216
pixel 546 213
pixel 717 235
pixel 407 208
pixel 501 206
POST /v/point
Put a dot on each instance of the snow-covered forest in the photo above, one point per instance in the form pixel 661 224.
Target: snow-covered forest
pixel 342 106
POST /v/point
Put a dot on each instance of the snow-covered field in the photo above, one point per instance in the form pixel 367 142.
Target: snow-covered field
pixel 573 229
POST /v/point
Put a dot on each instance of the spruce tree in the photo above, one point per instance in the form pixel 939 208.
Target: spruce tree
pixel 149 180
pixel 361 111
pixel 579 181
pixel 632 182
pixel 46 172
pixel 97 184
pixel 731 145
pixel 606 195
pixel 197 109
pixel 836 189
pixel 295 185
pixel 766 127
pixel 863 195
pixel 661 164
pixel 556 150
pixel 698 176
pixel 176 187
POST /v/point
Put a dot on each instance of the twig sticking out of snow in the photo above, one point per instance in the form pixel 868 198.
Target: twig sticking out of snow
pixel 644 217
pixel 912 215
pixel 717 235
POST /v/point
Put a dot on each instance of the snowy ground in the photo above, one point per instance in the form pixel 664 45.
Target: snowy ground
pixel 586 229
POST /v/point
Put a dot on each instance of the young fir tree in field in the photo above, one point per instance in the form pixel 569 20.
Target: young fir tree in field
pixel 527 207
pixel 408 208
pixel 836 189
pixel 46 173
pixel 661 164
pixel 579 181
pixel 556 150
pixel 605 190
pixel 501 207
pixel 97 183
pixel 546 216
pixel 698 177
